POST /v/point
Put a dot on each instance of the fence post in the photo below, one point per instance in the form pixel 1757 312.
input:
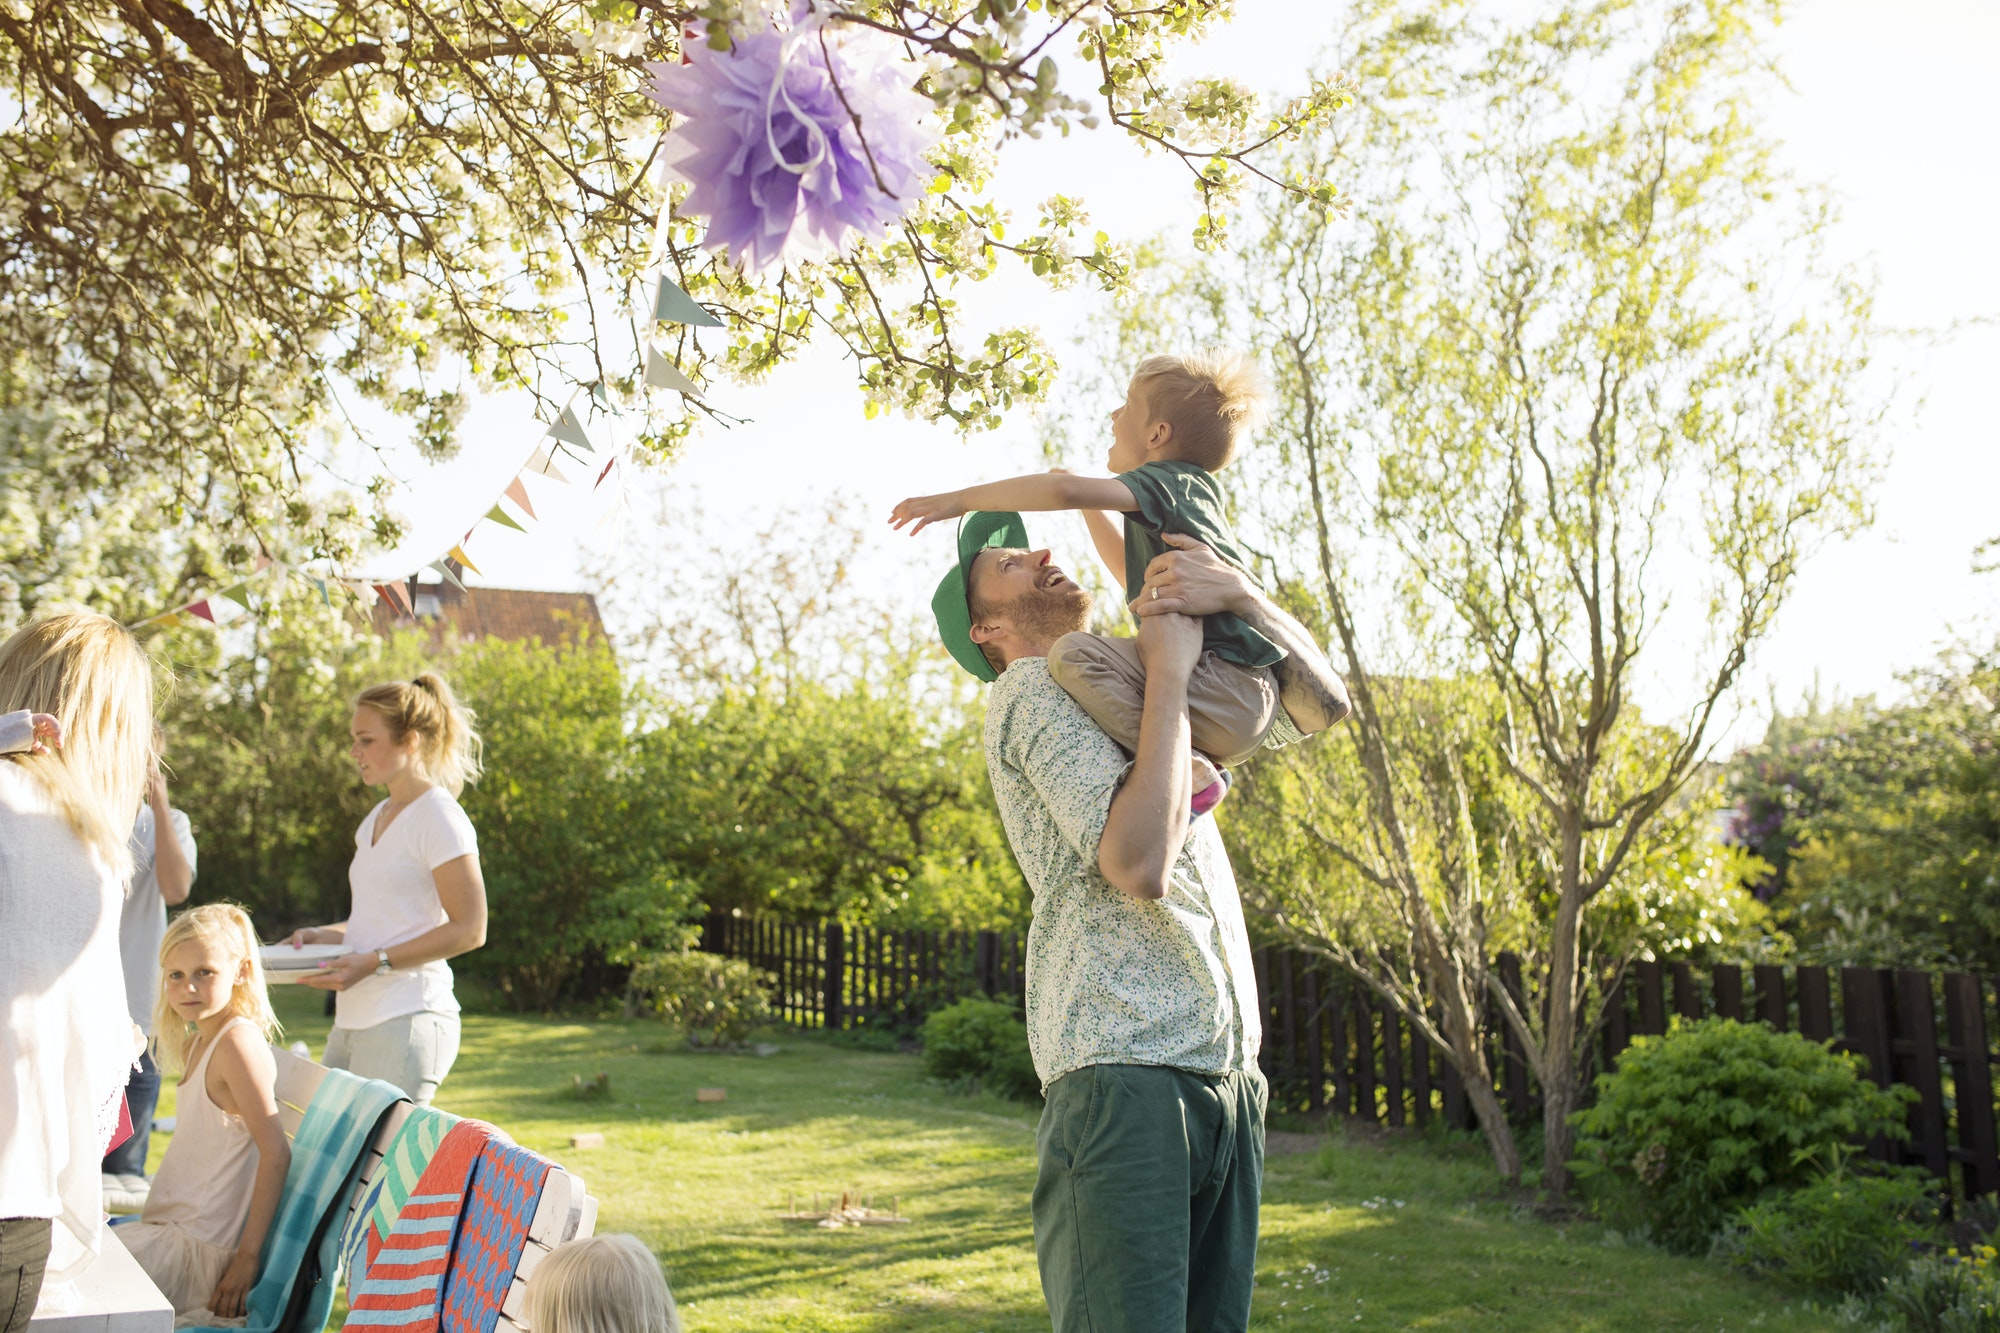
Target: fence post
pixel 1652 998
pixel 1617 1027
pixel 1687 996
pixel 835 980
pixel 1865 1032
pixel 1727 979
pixel 1336 1014
pixel 1315 1043
pixel 1392 1062
pixel 1420 1076
pixel 1815 1004
pixel 1916 1015
pixel 1965 1028
pixel 1770 994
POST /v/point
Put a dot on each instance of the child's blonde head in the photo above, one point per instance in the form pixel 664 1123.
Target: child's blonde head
pixel 225 928
pixel 447 745
pixel 1213 399
pixel 602 1284
pixel 89 672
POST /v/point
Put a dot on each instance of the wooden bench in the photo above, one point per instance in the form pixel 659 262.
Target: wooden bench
pixel 564 1213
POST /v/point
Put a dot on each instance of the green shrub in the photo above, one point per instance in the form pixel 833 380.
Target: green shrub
pixel 1946 1293
pixel 716 1001
pixel 1711 1117
pixel 1847 1231
pixel 981 1040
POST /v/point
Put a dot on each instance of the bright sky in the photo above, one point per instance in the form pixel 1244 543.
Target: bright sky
pixel 1890 109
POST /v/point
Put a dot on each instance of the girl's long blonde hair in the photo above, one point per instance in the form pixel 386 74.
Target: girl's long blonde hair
pixel 91 674
pixel 601 1284
pixel 447 745
pixel 226 928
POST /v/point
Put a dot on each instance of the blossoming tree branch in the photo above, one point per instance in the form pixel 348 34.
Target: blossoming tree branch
pixel 224 219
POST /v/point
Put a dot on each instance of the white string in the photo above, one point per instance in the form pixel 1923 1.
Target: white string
pixel 821 150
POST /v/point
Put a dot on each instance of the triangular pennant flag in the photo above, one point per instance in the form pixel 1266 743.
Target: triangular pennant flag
pixel 321 585
pixel 542 465
pixel 445 569
pixel 607 472
pixel 263 562
pixel 398 594
pixel 518 493
pixel 238 593
pixel 569 430
pixel 201 609
pixel 501 516
pixel 677 307
pixel 168 620
pixel 458 553
pixel 664 374
pixel 600 392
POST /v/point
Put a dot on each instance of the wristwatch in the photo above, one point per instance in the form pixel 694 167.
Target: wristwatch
pixel 382 968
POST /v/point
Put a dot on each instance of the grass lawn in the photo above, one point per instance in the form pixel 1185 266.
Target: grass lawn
pixel 1359 1233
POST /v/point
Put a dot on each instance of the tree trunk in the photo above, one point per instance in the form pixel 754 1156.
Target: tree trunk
pixel 1475 1075
pixel 1558 1072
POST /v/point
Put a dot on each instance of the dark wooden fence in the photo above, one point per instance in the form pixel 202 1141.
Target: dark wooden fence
pixel 1332 1045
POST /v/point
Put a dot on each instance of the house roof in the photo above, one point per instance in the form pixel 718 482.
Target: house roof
pixel 496 613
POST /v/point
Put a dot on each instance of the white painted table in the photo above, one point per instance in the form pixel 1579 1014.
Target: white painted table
pixel 114 1296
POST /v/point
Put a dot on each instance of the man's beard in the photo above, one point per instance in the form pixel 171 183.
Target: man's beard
pixel 1043 615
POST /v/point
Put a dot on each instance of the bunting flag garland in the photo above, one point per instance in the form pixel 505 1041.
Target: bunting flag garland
pixel 569 430
pixel 238 593
pixel 201 609
pixel 664 374
pixel 607 472
pixel 543 465
pixel 498 515
pixel 443 567
pixel 458 553
pixel 398 594
pixel 518 493
pixel 321 585
pixel 674 306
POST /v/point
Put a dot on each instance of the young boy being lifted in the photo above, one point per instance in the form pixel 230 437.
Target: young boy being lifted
pixel 1183 419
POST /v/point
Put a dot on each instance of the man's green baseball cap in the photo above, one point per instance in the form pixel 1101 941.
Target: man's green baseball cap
pixel 978 531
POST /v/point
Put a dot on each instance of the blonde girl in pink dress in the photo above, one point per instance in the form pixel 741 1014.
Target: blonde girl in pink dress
pixel 217 1191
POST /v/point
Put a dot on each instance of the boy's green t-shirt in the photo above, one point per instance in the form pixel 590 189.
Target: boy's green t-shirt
pixel 1185 499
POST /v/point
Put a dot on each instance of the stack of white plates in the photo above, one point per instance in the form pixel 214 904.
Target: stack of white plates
pixel 284 964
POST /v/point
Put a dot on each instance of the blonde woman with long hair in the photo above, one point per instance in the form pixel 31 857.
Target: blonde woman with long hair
pixel 68 795
pixel 418 896
pixel 217 1191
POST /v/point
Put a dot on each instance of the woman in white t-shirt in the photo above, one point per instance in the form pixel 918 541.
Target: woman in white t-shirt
pixel 418 897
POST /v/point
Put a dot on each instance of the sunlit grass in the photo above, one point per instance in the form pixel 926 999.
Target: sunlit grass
pixel 703 1184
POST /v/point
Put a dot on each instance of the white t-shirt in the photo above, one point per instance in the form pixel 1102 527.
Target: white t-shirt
pixel 144 923
pixel 396 899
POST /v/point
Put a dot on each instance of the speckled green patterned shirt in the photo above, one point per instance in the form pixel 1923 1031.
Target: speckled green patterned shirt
pixel 1112 979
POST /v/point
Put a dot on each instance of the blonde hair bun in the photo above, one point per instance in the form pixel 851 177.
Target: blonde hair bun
pixel 1214 399
pixel 447 744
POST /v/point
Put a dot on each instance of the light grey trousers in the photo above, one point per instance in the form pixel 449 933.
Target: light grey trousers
pixel 413 1052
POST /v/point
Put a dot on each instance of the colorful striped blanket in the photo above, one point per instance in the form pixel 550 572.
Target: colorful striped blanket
pixel 452 1253
pixel 409 1153
pixel 294 1291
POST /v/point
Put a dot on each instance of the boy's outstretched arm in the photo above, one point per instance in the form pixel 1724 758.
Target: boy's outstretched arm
pixel 1044 492
pixel 1104 535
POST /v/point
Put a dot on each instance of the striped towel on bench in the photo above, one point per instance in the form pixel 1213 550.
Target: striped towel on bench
pixel 506 1189
pixel 402 1166
pixel 405 1282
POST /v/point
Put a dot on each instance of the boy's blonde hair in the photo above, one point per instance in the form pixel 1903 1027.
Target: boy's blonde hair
pixel 1213 399
pixel 447 745
pixel 91 674
pixel 601 1284
pixel 222 926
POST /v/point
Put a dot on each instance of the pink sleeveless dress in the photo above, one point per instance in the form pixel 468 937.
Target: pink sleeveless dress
pixel 194 1215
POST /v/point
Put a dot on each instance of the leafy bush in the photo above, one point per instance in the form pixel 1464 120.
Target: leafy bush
pixel 1708 1119
pixel 1946 1293
pixel 716 1001
pixel 1846 1231
pixel 981 1040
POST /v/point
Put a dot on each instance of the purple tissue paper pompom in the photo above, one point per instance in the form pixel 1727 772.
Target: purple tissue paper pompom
pixel 762 133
